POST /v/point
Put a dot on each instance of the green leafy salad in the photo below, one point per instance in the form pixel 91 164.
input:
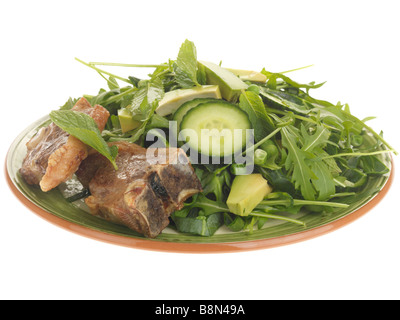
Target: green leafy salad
pixel 301 153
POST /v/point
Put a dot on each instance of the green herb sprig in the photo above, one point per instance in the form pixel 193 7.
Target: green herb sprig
pixel 83 127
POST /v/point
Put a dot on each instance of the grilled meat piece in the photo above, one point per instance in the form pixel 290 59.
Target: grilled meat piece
pixel 147 187
pixel 53 155
pixel 40 147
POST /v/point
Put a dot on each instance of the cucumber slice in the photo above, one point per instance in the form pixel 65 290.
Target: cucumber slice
pixel 184 108
pixel 216 128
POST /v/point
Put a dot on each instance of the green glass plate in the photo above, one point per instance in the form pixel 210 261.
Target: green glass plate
pixel 74 217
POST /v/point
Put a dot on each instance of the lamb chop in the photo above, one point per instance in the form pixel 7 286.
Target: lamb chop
pixel 53 155
pixel 147 187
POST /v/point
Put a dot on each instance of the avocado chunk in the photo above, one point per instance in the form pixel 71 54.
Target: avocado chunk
pixel 229 84
pixel 248 75
pixel 172 100
pixel 126 121
pixel 246 193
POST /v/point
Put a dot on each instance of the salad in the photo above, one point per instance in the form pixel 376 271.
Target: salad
pixel 261 146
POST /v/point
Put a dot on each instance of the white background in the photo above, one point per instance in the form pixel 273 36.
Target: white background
pixel 353 46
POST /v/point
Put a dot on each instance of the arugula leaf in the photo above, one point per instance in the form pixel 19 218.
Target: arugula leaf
pixel 286 100
pixel 272 81
pixel 296 161
pixel 84 128
pixel 324 182
pixel 253 105
pixel 185 65
pixel 346 117
pixel 318 139
pixel 371 165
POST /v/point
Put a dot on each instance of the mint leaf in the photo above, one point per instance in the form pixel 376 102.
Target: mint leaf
pixel 138 132
pixel 112 83
pixel 69 104
pixel 84 128
pixel 185 66
pixel 144 103
pixel 149 92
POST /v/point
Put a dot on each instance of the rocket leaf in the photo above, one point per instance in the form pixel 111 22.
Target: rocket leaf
pixel 318 139
pixel 253 105
pixel 324 182
pixel 296 161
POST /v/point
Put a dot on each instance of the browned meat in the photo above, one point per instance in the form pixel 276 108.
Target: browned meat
pixel 40 147
pixel 145 189
pixel 53 155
